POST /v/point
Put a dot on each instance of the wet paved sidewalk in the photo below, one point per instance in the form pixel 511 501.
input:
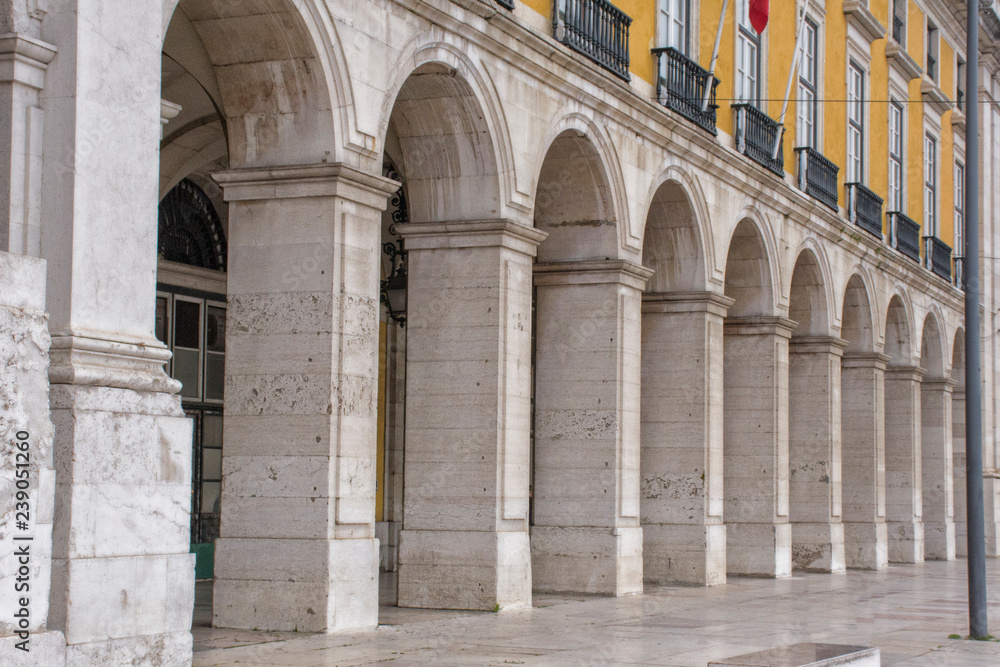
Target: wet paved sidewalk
pixel 907 611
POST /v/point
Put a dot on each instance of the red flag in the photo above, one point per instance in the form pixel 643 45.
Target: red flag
pixel 758 14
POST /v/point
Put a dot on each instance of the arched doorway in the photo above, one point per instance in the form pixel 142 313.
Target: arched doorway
pixel 814 428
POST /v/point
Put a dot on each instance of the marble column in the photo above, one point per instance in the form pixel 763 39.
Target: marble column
pixel 122 574
pixel 465 542
pixel 814 453
pixel 866 539
pixel 758 535
pixel 586 536
pixel 684 539
pixel 958 470
pixel 297 549
pixel 938 483
pixel 903 480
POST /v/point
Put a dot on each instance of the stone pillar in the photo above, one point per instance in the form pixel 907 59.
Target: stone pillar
pixel 903 481
pixel 958 470
pixel 464 543
pixel 938 485
pixel 866 539
pixel 586 536
pixel 122 574
pixel 814 453
pixel 23 62
pixel 684 539
pixel 758 535
pixel 27 475
pixel 297 549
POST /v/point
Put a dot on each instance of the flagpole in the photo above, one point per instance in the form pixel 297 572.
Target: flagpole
pixel 715 57
pixel 791 78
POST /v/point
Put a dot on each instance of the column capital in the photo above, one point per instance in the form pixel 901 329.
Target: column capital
pixel 471 234
pixel 24 59
pixel 592 272
pixel 943 384
pixel 913 373
pixel 312 180
pixel 760 325
pixel 687 302
pixel 875 360
pixel 817 345
pixel 80 359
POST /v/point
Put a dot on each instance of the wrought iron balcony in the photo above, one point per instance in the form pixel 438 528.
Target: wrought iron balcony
pixel 904 235
pixel 898 30
pixel 756 136
pixel 959 277
pixel 818 176
pixel 864 209
pixel 938 255
pixel 596 29
pixel 680 86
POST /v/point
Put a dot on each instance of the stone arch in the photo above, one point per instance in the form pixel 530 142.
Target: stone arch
pixel 857 326
pixel 676 235
pixel 808 296
pixel 897 342
pixel 596 164
pixel 460 121
pixel 932 347
pixel 273 71
pixel 958 359
pixel 574 203
pixel 750 276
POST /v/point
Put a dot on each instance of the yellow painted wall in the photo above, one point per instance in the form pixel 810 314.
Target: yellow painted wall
pixel 946 172
pixel 780 36
pixel 878 108
pixel 915 120
pixel 724 68
pixel 835 88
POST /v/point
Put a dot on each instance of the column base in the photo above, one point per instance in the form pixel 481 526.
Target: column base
pixel 906 541
pixel 759 549
pixel 866 545
pixel 818 547
pixel 605 561
pixel 45 648
pixel 311 585
pixel 684 554
pixel 939 541
pixel 451 569
pixel 167 650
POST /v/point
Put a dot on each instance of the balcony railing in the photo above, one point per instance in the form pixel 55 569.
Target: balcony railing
pixel 756 135
pixel 904 235
pixel 939 256
pixel 597 29
pixel 506 4
pixel 864 208
pixel 680 87
pixel 818 176
pixel 959 277
pixel 898 30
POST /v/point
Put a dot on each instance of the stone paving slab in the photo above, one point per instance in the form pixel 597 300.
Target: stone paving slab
pixel 907 611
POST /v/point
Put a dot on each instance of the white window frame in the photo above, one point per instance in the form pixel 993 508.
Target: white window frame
pixel 807 104
pixel 746 38
pixel 856 126
pixel 897 157
pixel 673 24
pixel 959 190
pixel 931 181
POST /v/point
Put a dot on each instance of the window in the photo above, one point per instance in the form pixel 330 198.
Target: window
pixel 808 82
pixel 672 23
pixel 932 51
pixel 855 123
pixel 747 57
pixel 194 329
pixel 899 21
pixel 930 186
pixel 959 209
pixel 895 156
pixel 960 85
